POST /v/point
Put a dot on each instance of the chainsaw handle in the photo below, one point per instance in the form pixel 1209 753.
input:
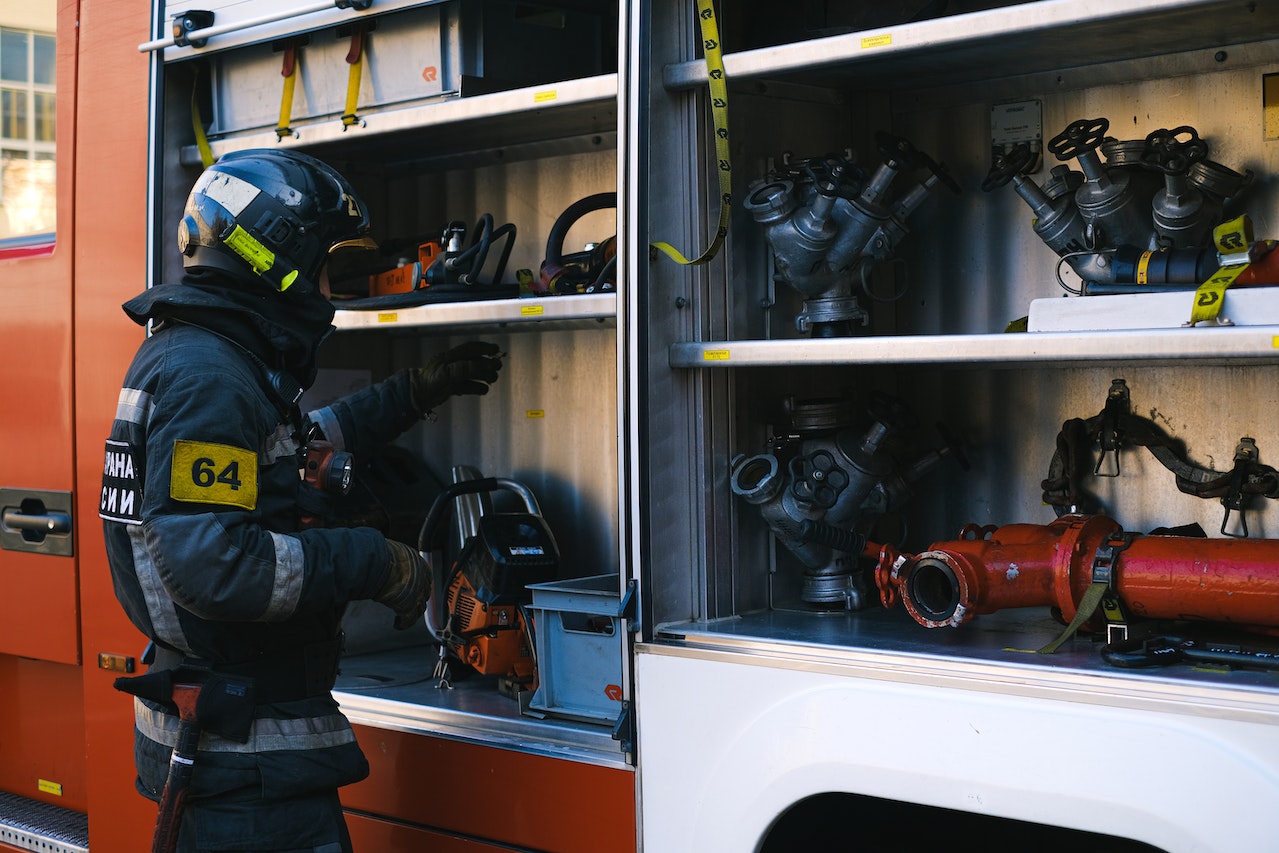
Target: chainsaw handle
pixel 444 500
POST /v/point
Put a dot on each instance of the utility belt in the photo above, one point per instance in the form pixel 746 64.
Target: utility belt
pixel 223 699
pixel 286 675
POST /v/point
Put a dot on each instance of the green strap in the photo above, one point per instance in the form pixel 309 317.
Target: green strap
pixel 1087 607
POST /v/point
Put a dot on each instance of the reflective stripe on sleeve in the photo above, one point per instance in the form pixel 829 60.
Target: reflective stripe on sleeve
pixel 290 565
pixel 327 421
pixel 133 406
pixel 160 607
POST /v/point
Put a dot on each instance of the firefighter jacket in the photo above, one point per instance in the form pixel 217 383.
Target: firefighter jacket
pixel 201 513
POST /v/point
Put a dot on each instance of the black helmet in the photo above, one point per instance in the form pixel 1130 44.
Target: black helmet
pixel 273 215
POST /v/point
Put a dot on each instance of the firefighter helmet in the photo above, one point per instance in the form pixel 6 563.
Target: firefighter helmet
pixel 273 215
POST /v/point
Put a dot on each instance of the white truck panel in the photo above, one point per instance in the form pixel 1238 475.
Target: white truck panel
pixel 727 745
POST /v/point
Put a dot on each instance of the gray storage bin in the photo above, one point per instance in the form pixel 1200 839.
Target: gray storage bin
pixel 581 643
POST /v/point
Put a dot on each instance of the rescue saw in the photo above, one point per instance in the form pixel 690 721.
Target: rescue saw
pixel 477 612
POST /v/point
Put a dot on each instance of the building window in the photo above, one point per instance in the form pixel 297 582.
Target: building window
pixel 28 120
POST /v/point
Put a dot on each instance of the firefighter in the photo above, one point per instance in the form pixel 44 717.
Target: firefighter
pixel 203 499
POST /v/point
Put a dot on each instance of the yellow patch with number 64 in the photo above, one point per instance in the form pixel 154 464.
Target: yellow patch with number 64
pixel 206 473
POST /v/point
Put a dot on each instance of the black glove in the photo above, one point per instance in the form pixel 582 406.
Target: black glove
pixel 468 368
pixel 408 585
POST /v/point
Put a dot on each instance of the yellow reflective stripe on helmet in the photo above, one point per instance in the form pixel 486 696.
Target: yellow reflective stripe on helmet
pixel 259 257
pixel 248 247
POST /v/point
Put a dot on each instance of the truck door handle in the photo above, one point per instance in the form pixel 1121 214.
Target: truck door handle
pixel 51 522
pixel 36 521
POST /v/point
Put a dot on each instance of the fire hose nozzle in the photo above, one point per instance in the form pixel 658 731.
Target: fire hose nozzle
pixel 1230 581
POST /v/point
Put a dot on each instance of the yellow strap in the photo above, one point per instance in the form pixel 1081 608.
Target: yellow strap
pixel 292 59
pixel 352 92
pixel 356 63
pixel 717 83
pixel 197 124
pixel 1231 238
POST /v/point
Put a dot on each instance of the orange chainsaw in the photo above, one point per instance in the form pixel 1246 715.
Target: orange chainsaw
pixel 480 617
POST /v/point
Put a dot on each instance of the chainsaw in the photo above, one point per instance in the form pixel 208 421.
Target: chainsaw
pixel 478 610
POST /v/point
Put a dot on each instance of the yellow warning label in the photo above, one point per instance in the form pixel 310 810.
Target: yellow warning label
pixel 388 317
pixel 207 473
pixel 535 413
pixel 715 355
pixel 47 787
pixel 544 96
pixel 881 40
pixel 532 310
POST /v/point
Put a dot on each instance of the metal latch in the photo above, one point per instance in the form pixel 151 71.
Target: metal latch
pixel 36 521
pixel 188 22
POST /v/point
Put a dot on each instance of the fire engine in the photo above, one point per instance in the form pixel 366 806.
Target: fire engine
pixel 884 453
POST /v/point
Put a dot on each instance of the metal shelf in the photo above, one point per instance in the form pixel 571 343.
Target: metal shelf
pixel 1016 39
pixel 1207 345
pixel 396 690
pixel 450 127
pixel 582 310
pixel 995 653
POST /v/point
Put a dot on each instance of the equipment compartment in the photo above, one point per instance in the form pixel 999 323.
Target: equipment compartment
pixel 753 351
pixel 502 162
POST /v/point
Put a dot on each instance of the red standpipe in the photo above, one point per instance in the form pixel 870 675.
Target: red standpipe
pixel 1234 581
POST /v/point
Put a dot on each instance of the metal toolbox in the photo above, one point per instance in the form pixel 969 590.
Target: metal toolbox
pixel 408 57
pixel 581 640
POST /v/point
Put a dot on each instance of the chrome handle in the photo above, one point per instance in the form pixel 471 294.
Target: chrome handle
pixel 38 521
pixel 52 522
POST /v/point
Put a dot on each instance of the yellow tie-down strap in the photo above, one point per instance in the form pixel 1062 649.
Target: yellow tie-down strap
pixel 717 82
pixel 1232 240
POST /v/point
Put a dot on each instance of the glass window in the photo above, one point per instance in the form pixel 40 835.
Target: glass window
pixel 45 116
pixel 44 61
pixel 13 106
pixel 13 55
pixel 28 123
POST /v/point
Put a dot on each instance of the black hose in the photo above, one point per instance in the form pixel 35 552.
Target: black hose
pixel 566 220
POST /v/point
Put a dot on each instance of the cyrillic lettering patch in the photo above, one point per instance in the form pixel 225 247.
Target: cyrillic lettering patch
pixel 121 489
pixel 206 473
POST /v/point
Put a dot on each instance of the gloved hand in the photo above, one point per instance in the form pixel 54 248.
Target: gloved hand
pixel 468 368
pixel 408 585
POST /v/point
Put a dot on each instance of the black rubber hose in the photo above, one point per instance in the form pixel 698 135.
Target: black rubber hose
pixel 574 212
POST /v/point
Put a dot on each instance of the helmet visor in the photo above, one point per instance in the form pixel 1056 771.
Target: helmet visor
pixel 358 256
